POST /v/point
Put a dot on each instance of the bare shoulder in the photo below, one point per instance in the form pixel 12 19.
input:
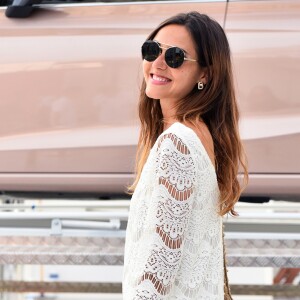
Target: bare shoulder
pixel 205 137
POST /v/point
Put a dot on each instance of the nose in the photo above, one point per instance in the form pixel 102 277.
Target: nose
pixel 160 62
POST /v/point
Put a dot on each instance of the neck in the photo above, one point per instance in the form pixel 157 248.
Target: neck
pixel 168 112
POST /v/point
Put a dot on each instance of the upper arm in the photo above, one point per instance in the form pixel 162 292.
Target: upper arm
pixel 175 184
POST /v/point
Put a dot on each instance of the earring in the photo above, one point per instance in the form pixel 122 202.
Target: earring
pixel 200 85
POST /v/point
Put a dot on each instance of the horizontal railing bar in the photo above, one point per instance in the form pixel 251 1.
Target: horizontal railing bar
pixel 46 232
pixel 100 204
pixel 60 287
pixel 267 208
pixel 287 291
pixel 270 204
pixel 104 215
pixel 90 224
pixel 266 215
pixel 123 215
pixel 95 287
pixel 260 221
pixel 261 236
pixel 124 203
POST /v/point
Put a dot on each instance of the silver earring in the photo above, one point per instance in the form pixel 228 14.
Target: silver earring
pixel 200 85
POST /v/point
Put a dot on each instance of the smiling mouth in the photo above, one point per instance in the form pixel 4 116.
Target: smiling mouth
pixel 159 78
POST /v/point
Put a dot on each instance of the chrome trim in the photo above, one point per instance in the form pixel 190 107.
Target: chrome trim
pixel 126 3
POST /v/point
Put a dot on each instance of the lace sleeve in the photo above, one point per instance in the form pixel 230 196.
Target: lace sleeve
pixel 172 199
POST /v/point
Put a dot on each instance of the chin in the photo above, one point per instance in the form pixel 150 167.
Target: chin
pixel 152 94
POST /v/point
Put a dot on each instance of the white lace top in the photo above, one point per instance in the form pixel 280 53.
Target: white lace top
pixel 173 246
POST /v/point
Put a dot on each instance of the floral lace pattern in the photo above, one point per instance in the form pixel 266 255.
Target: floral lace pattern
pixel 173 246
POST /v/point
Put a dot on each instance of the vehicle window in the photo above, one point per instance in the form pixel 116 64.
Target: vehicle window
pixel 5 2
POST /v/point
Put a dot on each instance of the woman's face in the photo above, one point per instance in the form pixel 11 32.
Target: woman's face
pixel 164 82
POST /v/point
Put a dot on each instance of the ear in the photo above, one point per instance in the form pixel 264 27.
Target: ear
pixel 203 75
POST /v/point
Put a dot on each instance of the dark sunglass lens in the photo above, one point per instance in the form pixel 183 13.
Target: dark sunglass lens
pixel 150 51
pixel 174 57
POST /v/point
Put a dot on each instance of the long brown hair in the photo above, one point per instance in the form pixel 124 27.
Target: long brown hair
pixel 215 104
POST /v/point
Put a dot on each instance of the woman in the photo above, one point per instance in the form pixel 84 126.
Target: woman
pixel 188 157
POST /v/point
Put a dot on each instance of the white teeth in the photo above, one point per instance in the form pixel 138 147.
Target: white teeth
pixel 155 77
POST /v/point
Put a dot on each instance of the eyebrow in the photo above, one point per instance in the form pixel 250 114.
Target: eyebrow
pixel 169 46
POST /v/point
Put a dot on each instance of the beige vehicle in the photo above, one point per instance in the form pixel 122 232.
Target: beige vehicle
pixel 70 76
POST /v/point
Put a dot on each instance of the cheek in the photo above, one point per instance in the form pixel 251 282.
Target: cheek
pixel 188 82
pixel 192 77
pixel 187 78
pixel 146 68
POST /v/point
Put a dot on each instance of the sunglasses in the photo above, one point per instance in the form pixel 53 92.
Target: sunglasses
pixel 174 56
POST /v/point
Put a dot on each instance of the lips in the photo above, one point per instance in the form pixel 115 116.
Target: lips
pixel 159 78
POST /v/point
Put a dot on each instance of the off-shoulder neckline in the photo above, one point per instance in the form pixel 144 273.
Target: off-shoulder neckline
pixel 198 141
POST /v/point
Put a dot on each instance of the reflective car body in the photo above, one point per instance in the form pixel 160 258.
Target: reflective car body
pixel 70 77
